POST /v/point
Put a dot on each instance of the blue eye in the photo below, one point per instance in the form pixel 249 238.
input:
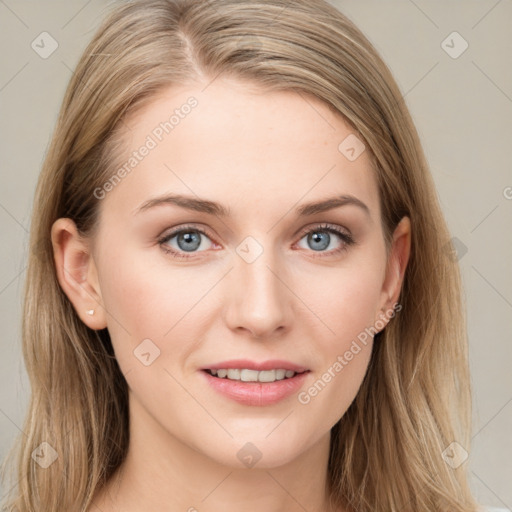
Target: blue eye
pixel 188 240
pixel 319 238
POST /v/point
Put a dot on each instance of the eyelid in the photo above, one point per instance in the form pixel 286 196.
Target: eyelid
pixel 323 226
pixel 185 227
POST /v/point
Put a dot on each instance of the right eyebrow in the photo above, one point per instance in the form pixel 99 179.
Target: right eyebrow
pixel 188 202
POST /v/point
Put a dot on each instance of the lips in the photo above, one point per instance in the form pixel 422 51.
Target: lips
pixel 272 364
pixel 256 393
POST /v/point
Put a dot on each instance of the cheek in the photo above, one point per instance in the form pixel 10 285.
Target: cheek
pixel 345 300
pixel 347 306
pixel 149 300
pixel 333 389
pixel 344 348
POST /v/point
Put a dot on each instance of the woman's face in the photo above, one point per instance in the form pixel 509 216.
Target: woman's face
pixel 235 275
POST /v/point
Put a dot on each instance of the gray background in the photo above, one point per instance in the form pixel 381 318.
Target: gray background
pixel 463 110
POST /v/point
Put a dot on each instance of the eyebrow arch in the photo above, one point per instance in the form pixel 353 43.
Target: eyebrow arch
pixel 213 208
pixel 191 203
pixel 329 204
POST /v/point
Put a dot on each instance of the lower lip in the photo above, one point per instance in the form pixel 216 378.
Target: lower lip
pixel 256 393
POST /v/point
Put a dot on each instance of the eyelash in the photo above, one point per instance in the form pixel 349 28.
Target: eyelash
pixel 347 239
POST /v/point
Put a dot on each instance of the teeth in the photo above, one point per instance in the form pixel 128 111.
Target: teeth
pixel 234 374
pixel 267 376
pixel 246 375
pixel 280 374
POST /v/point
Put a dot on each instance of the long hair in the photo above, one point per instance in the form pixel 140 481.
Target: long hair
pixel 386 452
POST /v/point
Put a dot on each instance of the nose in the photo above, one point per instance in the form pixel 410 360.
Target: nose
pixel 258 301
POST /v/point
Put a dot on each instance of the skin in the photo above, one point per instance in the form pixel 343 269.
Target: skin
pixel 262 155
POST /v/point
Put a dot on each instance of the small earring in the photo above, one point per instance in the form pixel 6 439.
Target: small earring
pixel 90 311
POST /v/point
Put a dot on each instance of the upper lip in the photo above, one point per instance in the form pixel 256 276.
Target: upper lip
pixel 271 364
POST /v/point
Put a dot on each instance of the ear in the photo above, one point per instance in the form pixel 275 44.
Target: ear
pixel 77 273
pixel 395 269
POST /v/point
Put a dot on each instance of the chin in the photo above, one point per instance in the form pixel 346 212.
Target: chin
pixel 258 449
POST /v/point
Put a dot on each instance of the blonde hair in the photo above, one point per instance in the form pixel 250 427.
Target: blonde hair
pixel 386 451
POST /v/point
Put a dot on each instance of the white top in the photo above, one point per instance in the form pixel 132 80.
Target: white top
pixel 494 509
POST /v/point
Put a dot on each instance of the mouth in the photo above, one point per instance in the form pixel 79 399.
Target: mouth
pixel 249 375
pixel 255 387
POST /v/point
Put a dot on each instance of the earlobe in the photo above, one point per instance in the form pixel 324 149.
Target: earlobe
pixel 76 272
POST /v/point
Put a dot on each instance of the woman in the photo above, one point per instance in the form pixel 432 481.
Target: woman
pixel 240 293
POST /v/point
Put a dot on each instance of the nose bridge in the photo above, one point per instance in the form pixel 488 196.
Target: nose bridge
pixel 259 302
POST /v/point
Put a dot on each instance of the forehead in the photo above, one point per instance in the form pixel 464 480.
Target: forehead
pixel 241 146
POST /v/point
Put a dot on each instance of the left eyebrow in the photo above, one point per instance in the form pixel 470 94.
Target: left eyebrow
pixel 213 208
pixel 329 204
